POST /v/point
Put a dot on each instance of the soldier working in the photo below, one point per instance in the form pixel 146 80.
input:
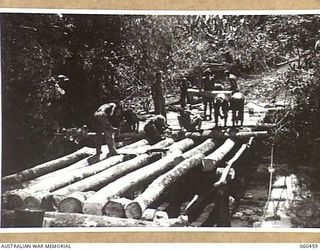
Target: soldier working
pixel 154 128
pixel 158 95
pixel 102 123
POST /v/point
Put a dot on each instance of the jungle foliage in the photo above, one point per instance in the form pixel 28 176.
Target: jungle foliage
pixel 58 68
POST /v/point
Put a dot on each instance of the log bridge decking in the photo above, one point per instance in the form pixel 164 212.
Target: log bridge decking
pixel 188 184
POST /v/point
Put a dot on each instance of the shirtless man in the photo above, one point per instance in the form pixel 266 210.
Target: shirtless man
pixel 102 122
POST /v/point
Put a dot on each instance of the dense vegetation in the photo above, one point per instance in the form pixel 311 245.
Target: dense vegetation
pixel 56 69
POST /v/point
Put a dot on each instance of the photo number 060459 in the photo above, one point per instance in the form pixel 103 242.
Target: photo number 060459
pixel 153 120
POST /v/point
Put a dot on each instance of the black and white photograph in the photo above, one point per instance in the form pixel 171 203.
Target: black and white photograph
pixel 190 120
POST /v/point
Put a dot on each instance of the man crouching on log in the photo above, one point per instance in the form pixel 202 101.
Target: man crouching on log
pixel 155 128
pixel 102 123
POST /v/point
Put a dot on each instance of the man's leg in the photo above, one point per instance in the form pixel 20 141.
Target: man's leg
pixel 110 142
pixel 156 105
pixel 163 107
pixel 99 139
pixel 205 104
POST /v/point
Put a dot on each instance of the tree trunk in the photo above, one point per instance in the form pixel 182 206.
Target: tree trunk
pixel 47 167
pixel 74 202
pixel 136 208
pixel 80 164
pixel 54 219
pixel 220 134
pixel 40 190
pixel 105 177
pixel 225 173
pixel 85 220
pixel 67 170
pixel 137 144
pixel 210 162
pixel 204 148
pixel 76 175
pixel 122 136
pixel 95 204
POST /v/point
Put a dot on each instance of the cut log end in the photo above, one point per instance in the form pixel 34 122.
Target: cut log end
pixel 12 201
pixel 70 205
pixel 133 210
pixel 31 203
pixel 113 209
pixel 116 207
pixel 51 202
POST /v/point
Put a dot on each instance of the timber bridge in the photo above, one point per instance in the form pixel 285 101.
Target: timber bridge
pixel 184 180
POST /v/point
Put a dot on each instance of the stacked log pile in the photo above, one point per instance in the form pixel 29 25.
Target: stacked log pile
pixel 143 185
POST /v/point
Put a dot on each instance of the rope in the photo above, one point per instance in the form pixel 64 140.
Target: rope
pixel 271 170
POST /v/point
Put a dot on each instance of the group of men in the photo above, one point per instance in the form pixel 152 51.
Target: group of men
pixel 106 114
pixel 156 125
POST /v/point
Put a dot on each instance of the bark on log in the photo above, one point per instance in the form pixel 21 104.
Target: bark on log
pixel 158 186
pixel 137 144
pixel 221 134
pixel 81 164
pixel 122 136
pixel 205 148
pixel 181 145
pixel 85 220
pixel 210 162
pixel 54 219
pixel 95 204
pixel 74 202
pixel 40 190
pixel 76 175
pixel 111 174
pixel 47 167
pixel 223 178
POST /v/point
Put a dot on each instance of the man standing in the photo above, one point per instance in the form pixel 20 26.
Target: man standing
pixel 158 95
pixel 184 85
pixel 102 123
pixel 207 85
